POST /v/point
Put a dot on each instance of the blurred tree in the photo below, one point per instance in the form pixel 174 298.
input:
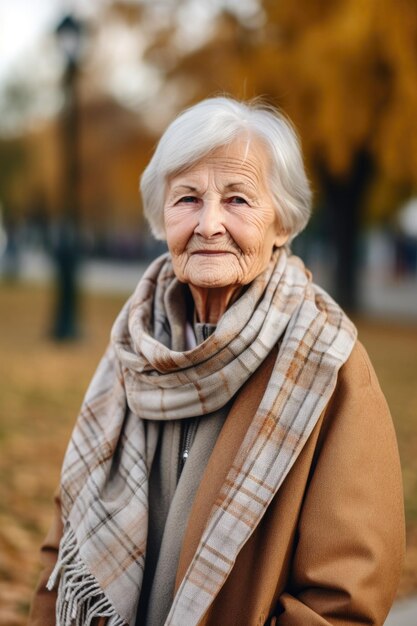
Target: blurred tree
pixel 13 160
pixel 346 73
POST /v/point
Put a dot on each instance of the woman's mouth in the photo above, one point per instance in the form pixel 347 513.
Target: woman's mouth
pixel 211 252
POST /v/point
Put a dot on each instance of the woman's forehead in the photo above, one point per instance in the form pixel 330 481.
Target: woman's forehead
pixel 241 159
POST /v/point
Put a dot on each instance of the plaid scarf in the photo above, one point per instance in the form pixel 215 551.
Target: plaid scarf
pixel 141 380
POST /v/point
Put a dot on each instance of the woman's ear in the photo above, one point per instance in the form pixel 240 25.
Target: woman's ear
pixel 281 239
pixel 281 234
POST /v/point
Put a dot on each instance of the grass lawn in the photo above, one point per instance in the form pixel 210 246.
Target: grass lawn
pixel 41 387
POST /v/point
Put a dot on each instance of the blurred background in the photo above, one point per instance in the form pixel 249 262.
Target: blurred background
pixel 86 89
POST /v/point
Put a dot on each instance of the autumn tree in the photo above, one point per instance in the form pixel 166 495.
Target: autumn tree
pixel 346 73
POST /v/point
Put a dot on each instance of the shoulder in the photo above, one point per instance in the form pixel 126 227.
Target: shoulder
pixel 358 370
pixel 358 404
pixel 357 379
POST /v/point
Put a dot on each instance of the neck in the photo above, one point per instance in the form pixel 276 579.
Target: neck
pixel 210 304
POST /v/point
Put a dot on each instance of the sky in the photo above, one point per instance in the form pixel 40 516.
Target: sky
pixel 22 25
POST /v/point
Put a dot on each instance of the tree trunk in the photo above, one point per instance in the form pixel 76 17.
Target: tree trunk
pixel 343 198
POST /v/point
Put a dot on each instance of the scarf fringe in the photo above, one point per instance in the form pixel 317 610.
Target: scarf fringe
pixel 80 597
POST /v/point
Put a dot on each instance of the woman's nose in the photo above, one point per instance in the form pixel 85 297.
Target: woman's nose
pixel 210 220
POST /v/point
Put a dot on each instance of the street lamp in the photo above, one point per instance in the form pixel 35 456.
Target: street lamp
pixel 66 244
pixel 69 34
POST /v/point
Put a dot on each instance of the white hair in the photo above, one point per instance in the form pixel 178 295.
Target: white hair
pixel 216 122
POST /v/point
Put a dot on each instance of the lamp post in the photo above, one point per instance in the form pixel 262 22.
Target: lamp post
pixel 66 243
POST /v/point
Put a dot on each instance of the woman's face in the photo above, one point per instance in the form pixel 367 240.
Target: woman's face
pixel 220 220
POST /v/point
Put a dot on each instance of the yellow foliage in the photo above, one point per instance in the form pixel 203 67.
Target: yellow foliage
pixel 346 72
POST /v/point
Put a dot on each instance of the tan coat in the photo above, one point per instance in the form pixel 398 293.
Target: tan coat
pixel 330 547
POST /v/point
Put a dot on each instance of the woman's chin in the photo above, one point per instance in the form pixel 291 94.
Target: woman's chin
pixel 210 274
pixel 211 280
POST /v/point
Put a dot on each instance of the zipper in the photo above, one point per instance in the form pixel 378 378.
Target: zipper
pixel 189 425
pixel 187 437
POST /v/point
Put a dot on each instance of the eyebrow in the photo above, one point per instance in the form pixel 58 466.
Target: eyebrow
pixel 234 186
pixel 239 185
pixel 183 187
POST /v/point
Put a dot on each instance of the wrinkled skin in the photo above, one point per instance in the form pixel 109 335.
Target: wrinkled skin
pixel 221 224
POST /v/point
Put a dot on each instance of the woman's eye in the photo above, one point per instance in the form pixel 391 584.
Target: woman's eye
pixel 237 200
pixel 188 199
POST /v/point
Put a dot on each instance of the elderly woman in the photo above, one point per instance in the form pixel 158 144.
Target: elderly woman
pixel 234 461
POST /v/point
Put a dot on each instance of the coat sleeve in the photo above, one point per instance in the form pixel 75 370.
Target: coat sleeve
pixel 43 602
pixel 350 537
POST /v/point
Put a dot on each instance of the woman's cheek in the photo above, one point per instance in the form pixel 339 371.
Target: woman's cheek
pixel 177 245
pixel 246 239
